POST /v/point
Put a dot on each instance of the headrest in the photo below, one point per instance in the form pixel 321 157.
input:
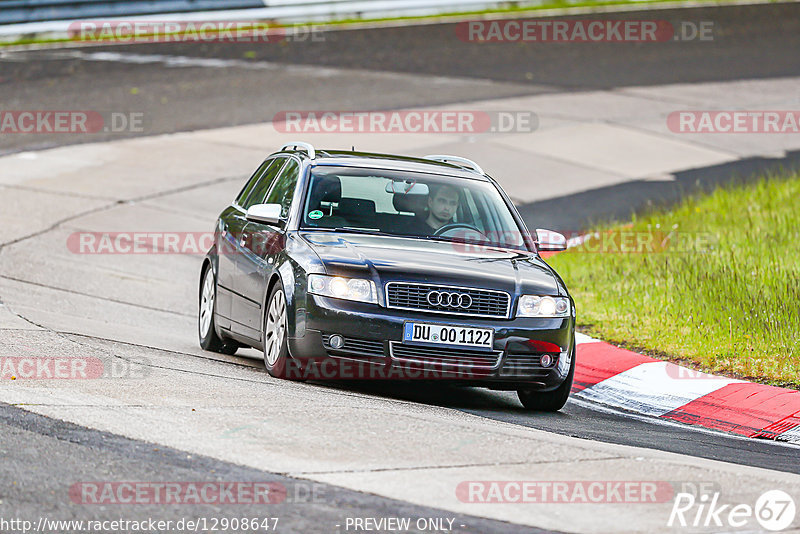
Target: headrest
pixel 410 203
pixel 326 189
pixel 360 207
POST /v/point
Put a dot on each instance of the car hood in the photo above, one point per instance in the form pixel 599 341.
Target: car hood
pixel 386 258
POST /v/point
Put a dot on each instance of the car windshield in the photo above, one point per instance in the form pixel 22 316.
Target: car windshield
pixel 400 203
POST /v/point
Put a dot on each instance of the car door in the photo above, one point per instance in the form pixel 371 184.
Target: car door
pixel 261 243
pixel 228 235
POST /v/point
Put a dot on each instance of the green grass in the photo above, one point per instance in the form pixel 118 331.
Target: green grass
pixel 721 295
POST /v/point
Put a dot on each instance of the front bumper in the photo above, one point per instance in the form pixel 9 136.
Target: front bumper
pixel 373 347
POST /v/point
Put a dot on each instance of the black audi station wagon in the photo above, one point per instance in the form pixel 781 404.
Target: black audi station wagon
pixel 400 267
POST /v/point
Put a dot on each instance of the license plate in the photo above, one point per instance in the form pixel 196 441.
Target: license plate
pixel 443 334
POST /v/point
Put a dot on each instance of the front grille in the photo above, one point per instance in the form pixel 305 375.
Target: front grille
pixel 444 356
pixel 353 347
pixel 525 365
pixel 485 302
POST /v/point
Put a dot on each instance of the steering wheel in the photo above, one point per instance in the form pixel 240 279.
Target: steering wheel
pixel 464 231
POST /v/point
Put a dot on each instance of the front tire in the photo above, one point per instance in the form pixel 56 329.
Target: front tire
pixel 549 401
pixel 206 324
pixel 276 343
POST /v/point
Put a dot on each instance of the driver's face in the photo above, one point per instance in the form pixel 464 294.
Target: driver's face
pixel 444 205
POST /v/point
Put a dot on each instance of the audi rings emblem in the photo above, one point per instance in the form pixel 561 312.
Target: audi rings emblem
pixel 449 300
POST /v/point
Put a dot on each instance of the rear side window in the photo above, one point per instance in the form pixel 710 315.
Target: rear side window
pixel 252 182
pixel 259 191
pixel 283 191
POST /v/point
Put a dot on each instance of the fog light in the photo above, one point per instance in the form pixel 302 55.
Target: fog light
pixel 546 360
pixel 336 341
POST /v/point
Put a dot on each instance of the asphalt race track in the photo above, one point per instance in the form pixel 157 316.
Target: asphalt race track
pixel 341 450
pixel 406 68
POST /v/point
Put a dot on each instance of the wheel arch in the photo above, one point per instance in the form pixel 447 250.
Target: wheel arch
pixel 210 260
pixel 210 263
pixel 284 274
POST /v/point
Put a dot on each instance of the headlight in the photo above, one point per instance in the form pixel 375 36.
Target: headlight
pixel 343 288
pixel 535 306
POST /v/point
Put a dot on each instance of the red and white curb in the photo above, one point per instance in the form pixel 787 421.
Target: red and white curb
pixel 616 377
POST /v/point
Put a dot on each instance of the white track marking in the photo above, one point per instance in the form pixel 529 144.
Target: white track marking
pixel 580 339
pixel 792 436
pixel 654 388
pixel 589 405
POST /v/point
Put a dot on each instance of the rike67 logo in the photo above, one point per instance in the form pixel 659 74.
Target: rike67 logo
pixel 774 511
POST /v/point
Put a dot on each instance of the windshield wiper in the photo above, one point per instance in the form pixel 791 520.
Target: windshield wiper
pixel 458 240
pixel 365 231
pixel 355 230
pixel 350 229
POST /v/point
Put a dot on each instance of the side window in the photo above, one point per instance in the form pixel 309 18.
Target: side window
pixel 259 191
pixel 252 182
pixel 283 191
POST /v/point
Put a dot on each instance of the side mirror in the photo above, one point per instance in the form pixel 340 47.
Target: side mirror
pixel 550 241
pixel 264 213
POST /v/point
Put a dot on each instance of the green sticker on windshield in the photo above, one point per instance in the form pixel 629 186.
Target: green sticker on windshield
pixel 316 214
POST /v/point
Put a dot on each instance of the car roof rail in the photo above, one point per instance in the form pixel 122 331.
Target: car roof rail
pixel 457 160
pixel 300 144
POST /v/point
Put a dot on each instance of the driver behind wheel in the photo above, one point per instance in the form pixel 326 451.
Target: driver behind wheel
pixel 442 206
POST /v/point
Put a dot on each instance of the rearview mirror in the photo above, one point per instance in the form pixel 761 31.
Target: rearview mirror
pixel 548 240
pixel 264 213
pixel 407 187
